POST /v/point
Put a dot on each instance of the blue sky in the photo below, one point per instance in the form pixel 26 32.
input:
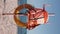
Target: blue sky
pixel 54 22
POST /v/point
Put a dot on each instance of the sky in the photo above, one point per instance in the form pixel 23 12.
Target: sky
pixel 53 26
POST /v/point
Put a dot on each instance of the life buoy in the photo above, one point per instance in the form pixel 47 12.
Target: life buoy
pixel 17 20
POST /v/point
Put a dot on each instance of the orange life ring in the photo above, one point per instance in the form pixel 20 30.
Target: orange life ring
pixel 16 19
